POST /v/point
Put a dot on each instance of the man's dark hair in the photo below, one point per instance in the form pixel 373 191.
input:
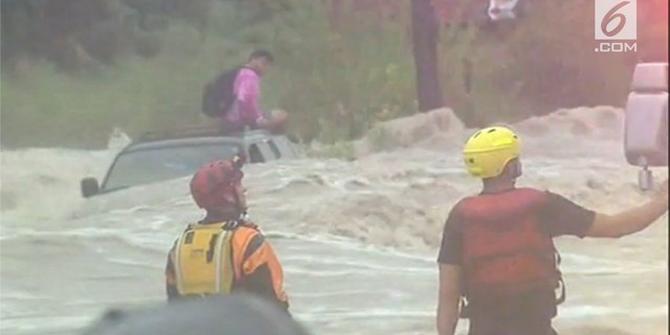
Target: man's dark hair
pixel 262 54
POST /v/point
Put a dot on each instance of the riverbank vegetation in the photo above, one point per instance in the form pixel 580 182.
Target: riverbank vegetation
pixel 73 70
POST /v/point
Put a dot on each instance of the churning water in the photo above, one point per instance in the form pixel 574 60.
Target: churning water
pixel 358 239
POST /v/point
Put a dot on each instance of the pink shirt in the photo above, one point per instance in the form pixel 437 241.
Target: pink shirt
pixel 245 110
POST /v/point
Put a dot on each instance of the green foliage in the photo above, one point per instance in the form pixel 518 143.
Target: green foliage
pixel 74 71
pixel 335 84
pixel 533 66
pixel 43 106
pixel 78 34
pixel 381 139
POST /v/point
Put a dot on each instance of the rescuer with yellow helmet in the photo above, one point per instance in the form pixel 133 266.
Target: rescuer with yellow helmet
pixel 224 252
pixel 498 264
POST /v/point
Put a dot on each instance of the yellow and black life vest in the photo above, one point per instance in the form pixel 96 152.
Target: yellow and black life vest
pixel 203 260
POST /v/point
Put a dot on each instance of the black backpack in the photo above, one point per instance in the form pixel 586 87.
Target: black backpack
pixel 219 95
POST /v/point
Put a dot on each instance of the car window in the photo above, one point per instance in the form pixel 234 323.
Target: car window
pixel 152 165
pixel 275 150
pixel 255 155
pixel 285 146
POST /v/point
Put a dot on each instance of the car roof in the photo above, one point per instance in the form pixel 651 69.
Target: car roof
pixel 195 141
pixel 194 136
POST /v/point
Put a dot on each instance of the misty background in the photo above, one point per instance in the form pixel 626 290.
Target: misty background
pixel 72 70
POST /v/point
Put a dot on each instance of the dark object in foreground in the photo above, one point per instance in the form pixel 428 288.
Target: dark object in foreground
pixel 229 315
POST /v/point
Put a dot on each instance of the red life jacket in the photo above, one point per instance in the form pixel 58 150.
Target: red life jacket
pixel 505 252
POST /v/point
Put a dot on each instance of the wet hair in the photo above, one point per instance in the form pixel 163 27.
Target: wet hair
pixel 267 55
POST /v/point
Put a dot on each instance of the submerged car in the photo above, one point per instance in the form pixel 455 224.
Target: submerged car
pixel 158 157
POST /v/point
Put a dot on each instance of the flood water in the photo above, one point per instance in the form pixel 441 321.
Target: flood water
pixel 358 240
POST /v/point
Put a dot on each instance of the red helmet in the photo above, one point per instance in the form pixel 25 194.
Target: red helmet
pixel 214 183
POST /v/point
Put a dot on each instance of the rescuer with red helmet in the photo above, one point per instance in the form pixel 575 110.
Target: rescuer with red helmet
pixel 223 253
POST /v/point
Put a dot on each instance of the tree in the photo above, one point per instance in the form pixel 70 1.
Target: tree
pixel 425 30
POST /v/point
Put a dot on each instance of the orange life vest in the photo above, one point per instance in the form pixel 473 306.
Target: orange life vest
pixel 216 258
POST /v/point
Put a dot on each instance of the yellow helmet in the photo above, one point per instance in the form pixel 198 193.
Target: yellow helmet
pixel 488 151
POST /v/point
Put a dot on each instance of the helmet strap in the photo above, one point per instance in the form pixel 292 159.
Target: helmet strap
pixel 242 211
pixel 516 169
pixel 219 215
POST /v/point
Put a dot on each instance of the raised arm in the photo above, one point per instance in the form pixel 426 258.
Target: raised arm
pixel 632 220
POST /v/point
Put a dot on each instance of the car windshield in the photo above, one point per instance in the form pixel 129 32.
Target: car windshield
pixel 158 164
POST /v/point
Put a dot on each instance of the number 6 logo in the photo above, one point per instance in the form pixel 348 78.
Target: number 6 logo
pixel 615 19
pixel 611 16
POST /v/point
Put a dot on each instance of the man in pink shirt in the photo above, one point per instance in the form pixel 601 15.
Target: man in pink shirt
pixel 245 110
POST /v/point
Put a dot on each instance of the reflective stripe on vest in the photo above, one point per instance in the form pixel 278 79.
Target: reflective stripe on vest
pixel 203 260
